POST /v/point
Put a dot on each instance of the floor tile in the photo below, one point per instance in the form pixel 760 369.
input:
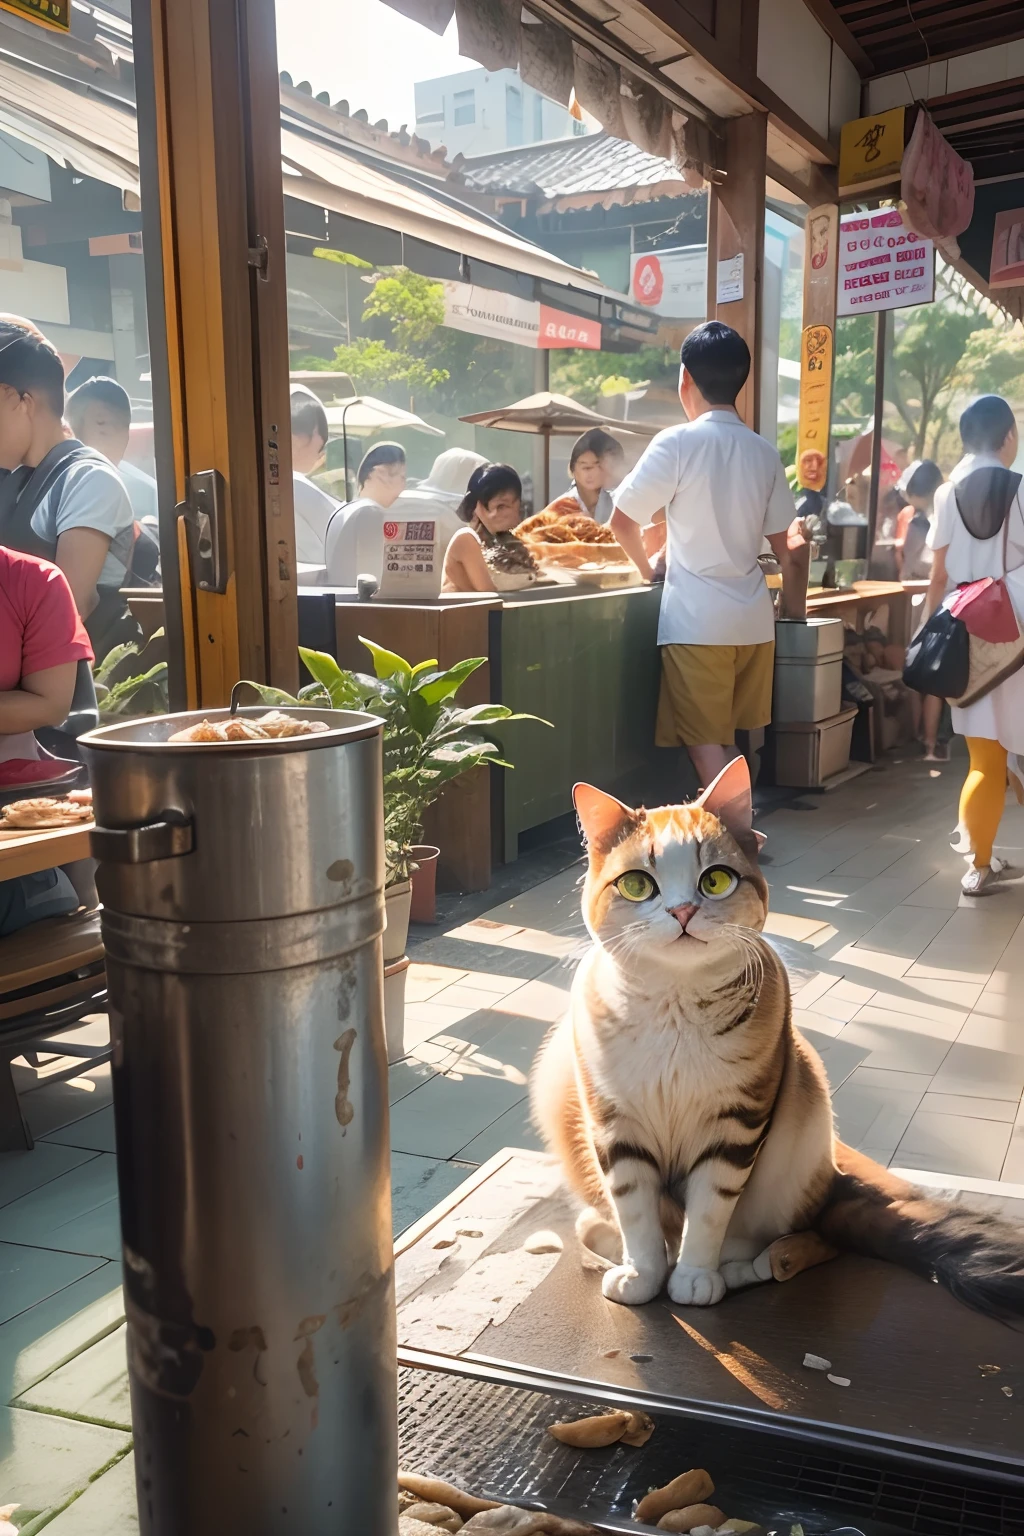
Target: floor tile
pixel 53 1105
pixel 881 1011
pixel 107 1507
pixel 903 931
pixel 955 1144
pixel 839 1057
pixel 1013 1166
pixel 44 1460
pixel 446 1113
pixel 468 955
pixel 968 946
pixel 21 1172
pixel 76 1213
pixel 877 857
pixel 996 1031
pixel 808 1019
pixel 418 1184
pixel 874 1109
pixel 28 1275
pixel 514 1128
pixel 424 981
pixel 804 930
pixel 94 1132
pixel 867 965
pixel 964 1104
pixel 980 1073
pixel 939 890
pixel 42 1338
pixel 536 1000
pixel 466 994
pixel 817 986
pixel 93 1386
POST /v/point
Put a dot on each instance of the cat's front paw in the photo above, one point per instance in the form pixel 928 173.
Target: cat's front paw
pixel 692 1287
pixel 631 1287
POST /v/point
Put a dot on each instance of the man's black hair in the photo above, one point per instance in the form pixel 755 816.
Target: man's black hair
pixel 925 480
pixel 309 417
pixel 986 424
pixel 380 455
pixel 103 391
pixel 596 441
pixel 29 364
pixel 718 361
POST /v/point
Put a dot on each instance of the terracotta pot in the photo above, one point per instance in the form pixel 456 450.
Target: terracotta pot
pixel 424 883
pixel 397 900
pixel 395 976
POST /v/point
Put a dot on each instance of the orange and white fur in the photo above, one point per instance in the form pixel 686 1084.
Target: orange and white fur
pixel 686 1109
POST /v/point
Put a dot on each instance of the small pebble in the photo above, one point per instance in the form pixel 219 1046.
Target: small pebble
pixel 817 1363
pixel 445 1242
pixel 1006 1391
pixel 989 1370
pixel 839 1381
pixel 543 1242
pixel 468 1232
pixel 609 1354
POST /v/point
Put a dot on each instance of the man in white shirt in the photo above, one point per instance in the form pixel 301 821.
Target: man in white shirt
pixel 314 508
pixel 724 492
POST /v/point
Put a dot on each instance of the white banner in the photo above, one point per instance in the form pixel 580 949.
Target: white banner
pixel 485 312
pixel 883 264
pixel 673 283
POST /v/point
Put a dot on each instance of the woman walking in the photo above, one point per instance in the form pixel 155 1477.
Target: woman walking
pixel 978 532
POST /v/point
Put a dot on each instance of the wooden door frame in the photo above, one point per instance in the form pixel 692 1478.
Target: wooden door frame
pixel 209 128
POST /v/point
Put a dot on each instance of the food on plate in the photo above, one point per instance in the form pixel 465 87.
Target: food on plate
pixel 510 1520
pixel 600 1429
pixel 691 1487
pixel 42 813
pixel 509 556
pixel 548 527
pixel 639 1429
pixel 690 1518
pixel 271 727
pixel 437 1515
pixel 80 796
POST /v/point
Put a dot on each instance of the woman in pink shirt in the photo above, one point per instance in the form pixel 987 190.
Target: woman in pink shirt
pixel 42 640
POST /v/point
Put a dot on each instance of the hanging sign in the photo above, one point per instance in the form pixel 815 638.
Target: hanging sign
pixel 883 264
pixel 1007 267
pixel 485 312
pixel 411 566
pixel 871 149
pixel 49 13
pixel 559 329
pixel 730 279
pixel 812 451
pixel 673 283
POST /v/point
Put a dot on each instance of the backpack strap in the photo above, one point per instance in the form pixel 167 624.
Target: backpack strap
pixel 23 492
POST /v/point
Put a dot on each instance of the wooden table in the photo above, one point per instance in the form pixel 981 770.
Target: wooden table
pixel 867 596
pixel 26 853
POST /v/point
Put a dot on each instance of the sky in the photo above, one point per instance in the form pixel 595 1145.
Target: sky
pixel 364 52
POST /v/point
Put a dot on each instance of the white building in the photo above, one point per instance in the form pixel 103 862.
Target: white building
pixel 481 110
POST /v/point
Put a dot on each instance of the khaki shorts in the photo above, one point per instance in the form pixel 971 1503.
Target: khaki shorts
pixel 709 692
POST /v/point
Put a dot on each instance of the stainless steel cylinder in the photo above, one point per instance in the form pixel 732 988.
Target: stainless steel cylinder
pixel 243 907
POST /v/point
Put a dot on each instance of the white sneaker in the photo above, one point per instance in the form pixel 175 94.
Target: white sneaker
pixel 981 882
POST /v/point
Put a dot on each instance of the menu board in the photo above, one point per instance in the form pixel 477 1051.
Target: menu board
pixel 411 566
pixel 883 264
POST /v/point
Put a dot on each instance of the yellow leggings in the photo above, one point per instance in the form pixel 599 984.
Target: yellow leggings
pixel 983 796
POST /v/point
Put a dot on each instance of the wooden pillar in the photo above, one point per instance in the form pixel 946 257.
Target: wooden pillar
pixel 216 178
pixel 736 228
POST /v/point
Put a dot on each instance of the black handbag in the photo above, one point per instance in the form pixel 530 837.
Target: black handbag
pixel 939 657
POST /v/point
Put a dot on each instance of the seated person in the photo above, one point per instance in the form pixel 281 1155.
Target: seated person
pixel 355 535
pixel 492 507
pixel 596 464
pixel 913 555
pixel 438 496
pixel 99 413
pixel 314 508
pixel 42 640
pixel 60 500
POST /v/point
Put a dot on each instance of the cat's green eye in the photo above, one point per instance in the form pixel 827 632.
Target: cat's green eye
pixel 636 885
pixel 717 882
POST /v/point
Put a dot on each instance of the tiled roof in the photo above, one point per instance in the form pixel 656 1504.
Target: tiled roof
pixel 593 165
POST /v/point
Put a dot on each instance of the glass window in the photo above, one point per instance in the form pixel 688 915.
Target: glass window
pixel 538 117
pixel 513 115
pixel 464 105
pixel 782 317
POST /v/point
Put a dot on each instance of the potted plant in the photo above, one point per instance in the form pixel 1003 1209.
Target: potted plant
pixel 428 742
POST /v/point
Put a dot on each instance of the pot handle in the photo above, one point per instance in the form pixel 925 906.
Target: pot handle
pixel 142 845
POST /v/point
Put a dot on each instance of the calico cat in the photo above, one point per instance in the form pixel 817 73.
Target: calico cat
pixel 684 1104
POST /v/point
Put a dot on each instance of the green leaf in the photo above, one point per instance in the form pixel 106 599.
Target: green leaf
pixel 386 663
pixel 268 695
pixel 423 666
pixel 113 658
pixel 340 685
pixel 434 690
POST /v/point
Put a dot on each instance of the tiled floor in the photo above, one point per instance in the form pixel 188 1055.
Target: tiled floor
pixel 909 993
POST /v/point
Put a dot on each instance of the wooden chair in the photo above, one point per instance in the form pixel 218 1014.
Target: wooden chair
pixel 52 975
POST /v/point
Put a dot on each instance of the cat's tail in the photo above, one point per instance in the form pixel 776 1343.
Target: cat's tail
pixel 978 1257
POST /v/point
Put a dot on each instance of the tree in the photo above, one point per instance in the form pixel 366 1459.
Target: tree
pixel 585 376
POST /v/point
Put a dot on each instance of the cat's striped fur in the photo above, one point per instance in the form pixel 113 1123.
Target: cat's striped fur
pixel 684 1104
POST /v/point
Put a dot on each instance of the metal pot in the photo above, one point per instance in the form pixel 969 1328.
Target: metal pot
pixel 243 907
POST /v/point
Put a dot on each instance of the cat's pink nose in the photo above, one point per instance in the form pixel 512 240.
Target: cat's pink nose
pixel 683 914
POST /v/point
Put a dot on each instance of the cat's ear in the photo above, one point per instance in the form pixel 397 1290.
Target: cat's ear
pixel 728 798
pixel 603 818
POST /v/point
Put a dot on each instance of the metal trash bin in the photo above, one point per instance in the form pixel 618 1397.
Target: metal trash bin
pixel 243 907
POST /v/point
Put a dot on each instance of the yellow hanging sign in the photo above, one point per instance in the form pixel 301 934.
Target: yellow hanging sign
pixel 812 439
pixel 48 13
pixel 871 148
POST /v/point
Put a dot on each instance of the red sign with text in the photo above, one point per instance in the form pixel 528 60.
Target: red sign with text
pixel 558 329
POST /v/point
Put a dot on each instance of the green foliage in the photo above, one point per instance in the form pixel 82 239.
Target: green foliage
pixel 413 306
pixel 428 741
pixel 342 258
pixel 586 376
pixel 375 369
pixel 130 694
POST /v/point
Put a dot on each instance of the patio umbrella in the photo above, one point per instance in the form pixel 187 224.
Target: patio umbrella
pixel 362 414
pixel 548 413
